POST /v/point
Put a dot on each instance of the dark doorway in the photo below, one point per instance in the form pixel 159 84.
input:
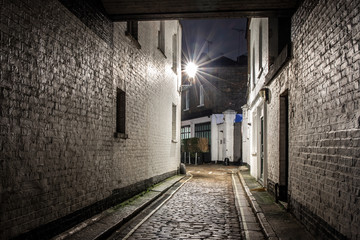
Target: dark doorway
pixel 262 148
pixel 284 147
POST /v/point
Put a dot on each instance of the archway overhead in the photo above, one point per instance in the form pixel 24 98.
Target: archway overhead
pixel 122 10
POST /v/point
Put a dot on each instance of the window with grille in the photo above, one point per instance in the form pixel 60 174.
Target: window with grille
pixel 203 130
pixel 132 29
pixel 120 111
pixel 161 37
pixel 185 132
pixel 174 122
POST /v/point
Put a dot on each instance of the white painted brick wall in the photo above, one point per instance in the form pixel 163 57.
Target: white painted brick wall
pixel 58 87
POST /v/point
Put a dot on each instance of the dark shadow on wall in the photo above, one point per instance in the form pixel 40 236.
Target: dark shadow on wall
pixel 93 15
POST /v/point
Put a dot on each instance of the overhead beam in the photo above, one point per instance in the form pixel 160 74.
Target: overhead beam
pixel 122 10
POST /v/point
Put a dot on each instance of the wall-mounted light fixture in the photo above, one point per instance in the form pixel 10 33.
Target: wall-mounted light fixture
pixel 186 84
pixel 265 94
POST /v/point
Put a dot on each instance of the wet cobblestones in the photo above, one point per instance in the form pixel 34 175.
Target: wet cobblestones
pixel 203 208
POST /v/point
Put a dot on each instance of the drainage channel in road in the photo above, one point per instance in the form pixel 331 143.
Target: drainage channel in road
pixel 125 231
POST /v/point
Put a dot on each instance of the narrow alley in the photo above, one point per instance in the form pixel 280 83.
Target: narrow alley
pixel 103 103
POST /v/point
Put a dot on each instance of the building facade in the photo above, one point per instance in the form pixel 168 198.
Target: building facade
pixel 81 101
pixel 302 115
pixel 212 102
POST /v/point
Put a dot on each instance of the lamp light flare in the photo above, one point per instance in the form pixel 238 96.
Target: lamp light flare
pixel 191 69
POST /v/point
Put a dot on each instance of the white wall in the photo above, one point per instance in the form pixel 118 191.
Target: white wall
pixel 258 82
pixel 222 135
pixel 229 116
pixel 214 139
pixel 255 102
pixel 245 128
pixel 69 114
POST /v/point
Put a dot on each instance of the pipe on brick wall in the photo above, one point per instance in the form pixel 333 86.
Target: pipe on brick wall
pixel 277 192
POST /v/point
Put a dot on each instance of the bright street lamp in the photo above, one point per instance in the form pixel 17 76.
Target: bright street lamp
pixel 191 69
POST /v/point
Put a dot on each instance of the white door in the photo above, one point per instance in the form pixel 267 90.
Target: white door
pixel 221 144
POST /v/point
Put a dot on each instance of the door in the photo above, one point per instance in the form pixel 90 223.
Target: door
pixel 284 148
pixel 221 144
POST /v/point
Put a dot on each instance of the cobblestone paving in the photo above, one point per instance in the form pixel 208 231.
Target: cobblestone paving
pixel 203 208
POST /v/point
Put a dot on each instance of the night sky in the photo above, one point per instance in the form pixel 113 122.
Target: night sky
pixel 223 39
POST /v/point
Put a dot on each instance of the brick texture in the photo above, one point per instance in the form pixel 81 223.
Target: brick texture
pixel 323 82
pixel 59 74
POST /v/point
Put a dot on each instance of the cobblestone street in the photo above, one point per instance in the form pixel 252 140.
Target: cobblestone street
pixel 204 208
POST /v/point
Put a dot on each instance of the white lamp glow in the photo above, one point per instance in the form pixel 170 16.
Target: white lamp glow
pixel 191 69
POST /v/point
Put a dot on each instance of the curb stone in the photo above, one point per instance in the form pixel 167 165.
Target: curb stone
pixel 268 230
pixel 103 233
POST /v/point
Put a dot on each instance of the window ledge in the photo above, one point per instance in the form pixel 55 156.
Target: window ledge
pixel 174 141
pixel 121 135
pixel 281 60
pixel 186 110
pixel 162 51
pixel 201 105
pixel 261 70
pixel 133 40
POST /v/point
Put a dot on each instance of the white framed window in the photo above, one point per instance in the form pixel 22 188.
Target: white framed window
pixel 174 53
pixel 187 101
pixel 201 95
pixel 185 132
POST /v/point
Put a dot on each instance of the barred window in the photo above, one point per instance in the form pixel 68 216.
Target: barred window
pixel 203 130
pixel 185 132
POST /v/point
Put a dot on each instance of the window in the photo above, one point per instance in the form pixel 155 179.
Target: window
pixel 260 48
pixel 187 100
pixel 253 66
pixel 161 37
pixel 132 29
pixel 279 45
pixel 174 54
pixel 203 130
pixel 201 95
pixel 174 122
pixel 120 111
pixel 185 132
